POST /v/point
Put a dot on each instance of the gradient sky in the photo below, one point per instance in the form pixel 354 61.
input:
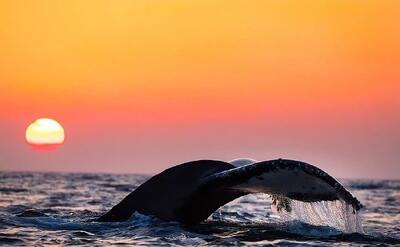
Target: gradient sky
pixel 143 85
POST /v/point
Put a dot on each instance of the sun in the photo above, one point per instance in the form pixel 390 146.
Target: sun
pixel 45 133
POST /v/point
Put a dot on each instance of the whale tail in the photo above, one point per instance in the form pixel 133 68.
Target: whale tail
pixel 165 194
pixel 191 192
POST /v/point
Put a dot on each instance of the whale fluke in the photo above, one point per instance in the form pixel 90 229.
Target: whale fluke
pixel 164 194
pixel 242 162
pixel 189 193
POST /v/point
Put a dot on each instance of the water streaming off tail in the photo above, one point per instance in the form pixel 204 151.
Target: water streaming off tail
pixel 337 214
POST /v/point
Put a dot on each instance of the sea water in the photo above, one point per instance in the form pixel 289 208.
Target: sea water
pixel 62 206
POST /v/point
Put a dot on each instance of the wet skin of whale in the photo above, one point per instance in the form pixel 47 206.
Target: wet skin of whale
pixel 189 193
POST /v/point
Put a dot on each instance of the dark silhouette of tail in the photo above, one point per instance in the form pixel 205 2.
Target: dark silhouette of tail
pixel 189 193
pixel 166 194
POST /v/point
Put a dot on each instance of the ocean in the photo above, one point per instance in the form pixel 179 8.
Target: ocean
pixel 61 207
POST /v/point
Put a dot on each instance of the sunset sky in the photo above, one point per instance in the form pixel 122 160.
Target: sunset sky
pixel 142 85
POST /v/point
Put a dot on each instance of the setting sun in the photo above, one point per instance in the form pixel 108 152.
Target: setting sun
pixel 45 132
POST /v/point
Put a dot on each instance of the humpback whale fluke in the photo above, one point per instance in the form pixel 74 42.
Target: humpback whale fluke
pixel 242 161
pixel 189 193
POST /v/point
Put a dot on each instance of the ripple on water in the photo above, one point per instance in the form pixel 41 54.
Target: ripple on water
pixel 68 201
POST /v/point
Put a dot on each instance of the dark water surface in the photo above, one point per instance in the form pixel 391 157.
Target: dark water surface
pixel 62 204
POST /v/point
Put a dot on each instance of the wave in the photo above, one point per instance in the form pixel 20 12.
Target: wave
pixel 248 220
pixel 365 184
pixel 147 229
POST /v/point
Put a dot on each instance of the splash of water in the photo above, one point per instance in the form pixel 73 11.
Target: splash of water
pixel 336 214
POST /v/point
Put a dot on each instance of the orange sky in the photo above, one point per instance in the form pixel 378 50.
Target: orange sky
pixel 141 85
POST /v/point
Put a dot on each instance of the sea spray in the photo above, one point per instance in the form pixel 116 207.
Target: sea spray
pixel 336 214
